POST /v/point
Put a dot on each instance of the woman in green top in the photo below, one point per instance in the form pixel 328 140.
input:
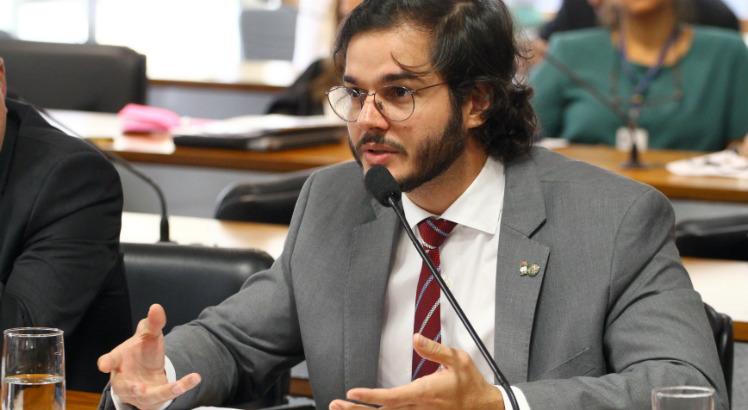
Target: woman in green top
pixel 686 86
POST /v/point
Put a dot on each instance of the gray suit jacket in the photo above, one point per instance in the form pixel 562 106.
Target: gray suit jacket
pixel 610 315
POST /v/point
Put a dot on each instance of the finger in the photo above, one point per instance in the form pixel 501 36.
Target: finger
pixel 109 361
pixel 400 396
pixel 142 394
pixel 154 323
pixel 349 405
pixel 433 351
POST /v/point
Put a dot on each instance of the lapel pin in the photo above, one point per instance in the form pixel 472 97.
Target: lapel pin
pixel 527 269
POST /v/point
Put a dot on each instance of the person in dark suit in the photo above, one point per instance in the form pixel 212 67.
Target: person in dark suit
pixel 60 216
pixel 306 96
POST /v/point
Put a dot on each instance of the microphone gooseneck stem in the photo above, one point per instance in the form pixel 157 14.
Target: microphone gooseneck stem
pixel 503 382
pixel 164 225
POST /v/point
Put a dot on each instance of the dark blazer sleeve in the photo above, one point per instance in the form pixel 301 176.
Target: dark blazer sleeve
pixel 71 244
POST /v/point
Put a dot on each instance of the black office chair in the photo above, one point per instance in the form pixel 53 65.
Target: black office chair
pixel 720 238
pixel 722 328
pixel 187 279
pixel 87 77
pixel 270 201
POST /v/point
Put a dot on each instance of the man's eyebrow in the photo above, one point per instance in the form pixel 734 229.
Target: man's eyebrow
pixel 405 75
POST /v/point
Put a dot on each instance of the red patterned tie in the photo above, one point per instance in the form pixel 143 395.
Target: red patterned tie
pixel 428 319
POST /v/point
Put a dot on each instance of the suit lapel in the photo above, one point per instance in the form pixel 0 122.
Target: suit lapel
pixel 520 269
pixel 371 251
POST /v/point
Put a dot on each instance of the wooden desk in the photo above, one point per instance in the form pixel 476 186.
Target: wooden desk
pixel 160 149
pixel 249 76
pixel 722 284
pixel 104 130
pixel 144 228
pixel 673 186
pixel 78 400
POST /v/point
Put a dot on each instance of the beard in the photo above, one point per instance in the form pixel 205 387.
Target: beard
pixel 431 158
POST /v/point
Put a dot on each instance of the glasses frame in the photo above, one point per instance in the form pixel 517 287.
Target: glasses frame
pixel 377 104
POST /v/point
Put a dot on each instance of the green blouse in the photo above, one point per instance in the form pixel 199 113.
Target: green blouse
pixel 700 103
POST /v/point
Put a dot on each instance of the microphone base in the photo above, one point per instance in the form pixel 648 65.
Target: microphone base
pixel 635 165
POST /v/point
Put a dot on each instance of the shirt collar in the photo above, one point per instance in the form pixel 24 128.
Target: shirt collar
pixel 479 207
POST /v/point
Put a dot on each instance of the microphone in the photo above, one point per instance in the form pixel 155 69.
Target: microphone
pixel 383 187
pixel 164 224
pixel 628 121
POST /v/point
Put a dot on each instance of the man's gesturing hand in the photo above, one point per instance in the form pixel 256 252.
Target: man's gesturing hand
pixel 136 366
pixel 456 385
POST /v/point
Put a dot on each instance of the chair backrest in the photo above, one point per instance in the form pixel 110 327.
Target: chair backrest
pixel 722 328
pixel 269 201
pixel 86 77
pixel 722 237
pixel 268 34
pixel 187 279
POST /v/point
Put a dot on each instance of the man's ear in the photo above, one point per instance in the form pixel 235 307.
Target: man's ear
pixel 476 104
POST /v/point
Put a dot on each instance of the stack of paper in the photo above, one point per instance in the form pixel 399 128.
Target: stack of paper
pixel 721 164
pixel 262 132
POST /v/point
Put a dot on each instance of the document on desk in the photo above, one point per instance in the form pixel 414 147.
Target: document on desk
pixel 262 132
pixel 719 164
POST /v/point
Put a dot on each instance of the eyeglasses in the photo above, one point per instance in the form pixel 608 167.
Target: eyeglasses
pixel 394 102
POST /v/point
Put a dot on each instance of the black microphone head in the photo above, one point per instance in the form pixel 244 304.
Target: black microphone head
pixel 382 185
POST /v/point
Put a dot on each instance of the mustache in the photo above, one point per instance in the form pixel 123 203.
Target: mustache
pixel 372 138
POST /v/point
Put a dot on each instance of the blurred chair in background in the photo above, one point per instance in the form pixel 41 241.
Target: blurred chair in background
pixel 721 325
pixel 85 77
pixel 270 201
pixel 721 238
pixel 187 279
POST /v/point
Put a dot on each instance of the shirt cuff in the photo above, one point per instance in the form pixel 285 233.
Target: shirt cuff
pixel 171 377
pixel 521 399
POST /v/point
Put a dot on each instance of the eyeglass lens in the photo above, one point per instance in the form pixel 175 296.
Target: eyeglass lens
pixel 395 103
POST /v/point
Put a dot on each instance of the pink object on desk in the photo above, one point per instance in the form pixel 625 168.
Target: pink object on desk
pixel 138 118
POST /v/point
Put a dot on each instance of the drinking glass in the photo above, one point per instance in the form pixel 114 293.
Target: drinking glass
pixel 33 369
pixel 683 398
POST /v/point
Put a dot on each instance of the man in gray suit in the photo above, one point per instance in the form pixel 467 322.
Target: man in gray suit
pixel 568 273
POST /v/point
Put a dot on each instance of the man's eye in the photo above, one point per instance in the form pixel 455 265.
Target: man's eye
pixel 353 92
pixel 396 92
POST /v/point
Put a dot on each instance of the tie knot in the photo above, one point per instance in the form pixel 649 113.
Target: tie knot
pixel 435 231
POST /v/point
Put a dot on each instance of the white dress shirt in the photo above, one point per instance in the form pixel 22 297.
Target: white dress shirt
pixel 468 265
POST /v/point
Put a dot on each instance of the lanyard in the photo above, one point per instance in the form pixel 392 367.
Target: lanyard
pixel 643 83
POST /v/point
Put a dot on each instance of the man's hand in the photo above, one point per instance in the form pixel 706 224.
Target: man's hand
pixel 137 366
pixel 456 385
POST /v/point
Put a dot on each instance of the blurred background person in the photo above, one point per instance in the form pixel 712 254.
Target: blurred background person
pixel 685 85
pixel 306 96
pixel 579 14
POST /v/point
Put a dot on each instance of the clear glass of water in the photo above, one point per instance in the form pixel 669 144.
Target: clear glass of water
pixel 33 369
pixel 683 398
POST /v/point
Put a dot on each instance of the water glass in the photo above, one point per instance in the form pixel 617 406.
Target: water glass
pixel 683 398
pixel 33 369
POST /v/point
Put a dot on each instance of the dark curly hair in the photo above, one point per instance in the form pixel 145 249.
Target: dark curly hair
pixel 473 44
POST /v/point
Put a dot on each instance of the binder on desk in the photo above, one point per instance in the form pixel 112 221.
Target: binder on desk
pixel 262 132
